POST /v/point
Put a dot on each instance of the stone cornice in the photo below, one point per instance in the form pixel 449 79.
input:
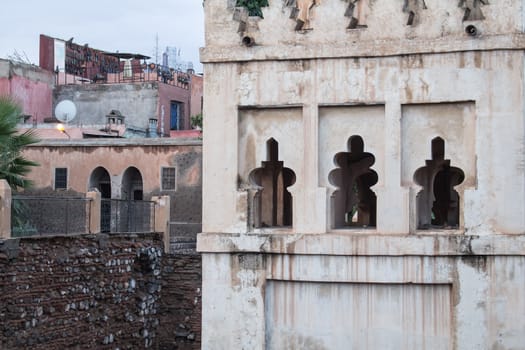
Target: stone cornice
pixel 354 48
pixel 334 243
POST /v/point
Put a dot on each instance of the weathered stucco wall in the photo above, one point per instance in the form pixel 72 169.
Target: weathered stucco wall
pixel 30 86
pixel 480 103
pixel 137 102
pixel 418 86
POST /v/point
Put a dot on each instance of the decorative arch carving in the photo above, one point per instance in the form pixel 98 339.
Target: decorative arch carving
pixel 472 9
pixel 254 7
pixel 438 202
pixel 301 12
pixel 244 9
pixel 413 8
pixel 354 203
pixel 357 11
pixel 272 202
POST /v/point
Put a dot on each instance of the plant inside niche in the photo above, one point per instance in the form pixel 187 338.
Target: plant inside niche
pixel 196 121
pixel 253 6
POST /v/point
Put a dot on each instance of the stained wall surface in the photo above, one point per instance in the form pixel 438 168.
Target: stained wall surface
pixel 29 86
pixel 431 82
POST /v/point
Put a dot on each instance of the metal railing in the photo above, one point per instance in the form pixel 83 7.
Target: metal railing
pixel 133 74
pixel 118 215
pixel 49 215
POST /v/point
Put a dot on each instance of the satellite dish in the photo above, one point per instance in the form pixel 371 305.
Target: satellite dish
pixel 65 111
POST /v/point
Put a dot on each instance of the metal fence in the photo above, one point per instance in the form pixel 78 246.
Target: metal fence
pixel 119 215
pixel 49 215
pixel 134 74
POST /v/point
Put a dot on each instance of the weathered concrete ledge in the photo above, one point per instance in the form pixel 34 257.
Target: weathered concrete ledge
pixel 428 244
pixel 358 48
pixel 120 142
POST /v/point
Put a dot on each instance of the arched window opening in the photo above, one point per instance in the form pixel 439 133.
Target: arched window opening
pixel 438 202
pixel 132 184
pixel 133 214
pixel 101 180
pixel 272 203
pixel 354 203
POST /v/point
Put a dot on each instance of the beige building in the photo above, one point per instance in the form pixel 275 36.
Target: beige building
pixel 363 180
pixel 126 169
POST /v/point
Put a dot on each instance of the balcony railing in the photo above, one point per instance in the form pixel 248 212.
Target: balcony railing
pixel 119 215
pixel 128 74
pixel 49 215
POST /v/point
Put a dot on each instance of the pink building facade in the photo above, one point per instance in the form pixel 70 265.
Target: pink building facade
pixel 30 86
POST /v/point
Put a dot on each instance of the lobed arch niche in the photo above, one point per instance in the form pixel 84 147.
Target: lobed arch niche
pixel 272 202
pixel 438 203
pixel 354 204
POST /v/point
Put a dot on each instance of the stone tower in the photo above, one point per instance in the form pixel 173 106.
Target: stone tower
pixel 364 174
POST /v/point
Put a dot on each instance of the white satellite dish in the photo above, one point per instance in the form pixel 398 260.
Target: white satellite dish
pixel 65 111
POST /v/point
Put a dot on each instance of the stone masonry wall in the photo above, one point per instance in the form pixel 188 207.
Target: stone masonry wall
pixel 180 309
pixel 91 292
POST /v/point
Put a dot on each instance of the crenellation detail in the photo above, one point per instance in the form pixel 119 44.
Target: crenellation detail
pixel 472 9
pixel 357 11
pixel 413 8
pixel 301 12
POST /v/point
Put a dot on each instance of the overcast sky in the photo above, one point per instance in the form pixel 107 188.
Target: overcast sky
pixel 109 25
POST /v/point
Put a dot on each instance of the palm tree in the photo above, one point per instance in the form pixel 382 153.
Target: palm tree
pixel 13 166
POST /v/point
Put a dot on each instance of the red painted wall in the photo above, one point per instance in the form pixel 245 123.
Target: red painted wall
pixel 168 93
pixel 30 86
pixel 35 97
pixel 196 94
pixel 47 53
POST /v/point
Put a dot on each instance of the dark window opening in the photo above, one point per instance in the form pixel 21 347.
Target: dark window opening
pixel 176 116
pixel 438 202
pixel 272 203
pixel 168 178
pixel 354 203
pixel 60 178
pixel 137 195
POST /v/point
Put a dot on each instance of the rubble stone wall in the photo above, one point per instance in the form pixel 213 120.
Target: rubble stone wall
pixel 92 292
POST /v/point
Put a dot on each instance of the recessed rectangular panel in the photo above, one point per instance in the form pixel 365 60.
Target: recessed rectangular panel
pixel 313 315
pixel 338 123
pixel 257 126
pixel 454 122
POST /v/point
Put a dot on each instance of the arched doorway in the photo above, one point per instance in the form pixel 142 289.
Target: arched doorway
pixel 132 184
pixel 101 180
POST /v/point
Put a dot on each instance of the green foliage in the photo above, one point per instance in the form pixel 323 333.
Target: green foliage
pixel 13 166
pixel 253 6
pixel 196 120
pixel 20 220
